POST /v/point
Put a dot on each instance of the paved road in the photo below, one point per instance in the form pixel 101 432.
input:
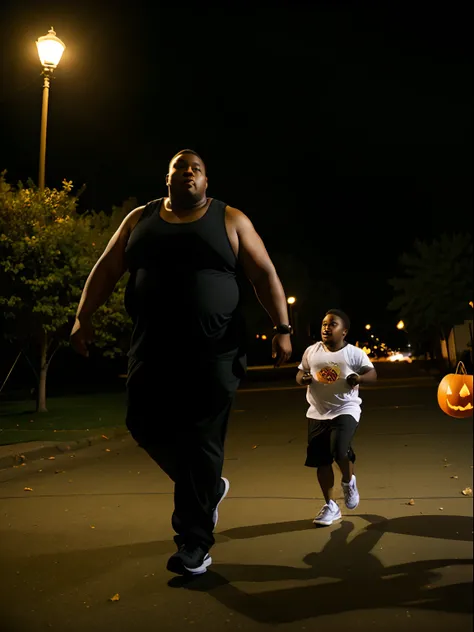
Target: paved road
pixel 97 523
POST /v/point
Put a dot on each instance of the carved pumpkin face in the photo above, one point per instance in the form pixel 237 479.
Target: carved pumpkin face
pixel 455 395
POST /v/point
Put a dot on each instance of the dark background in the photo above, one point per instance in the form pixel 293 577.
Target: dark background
pixel 342 129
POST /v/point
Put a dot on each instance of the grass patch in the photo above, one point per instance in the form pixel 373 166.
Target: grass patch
pixel 68 418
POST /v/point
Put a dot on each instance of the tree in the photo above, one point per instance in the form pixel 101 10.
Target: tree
pixel 47 250
pixel 434 292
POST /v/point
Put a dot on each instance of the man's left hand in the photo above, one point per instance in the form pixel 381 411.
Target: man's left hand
pixel 281 349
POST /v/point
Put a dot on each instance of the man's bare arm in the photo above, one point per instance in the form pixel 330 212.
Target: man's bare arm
pixel 261 272
pixel 108 270
pixel 259 268
pixel 101 282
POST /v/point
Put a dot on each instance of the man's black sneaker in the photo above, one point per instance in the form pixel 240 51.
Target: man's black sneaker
pixel 189 560
pixel 225 485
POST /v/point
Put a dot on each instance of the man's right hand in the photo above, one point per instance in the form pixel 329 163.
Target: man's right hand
pixel 82 335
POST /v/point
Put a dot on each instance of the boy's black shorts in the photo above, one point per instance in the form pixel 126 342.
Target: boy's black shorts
pixel 330 440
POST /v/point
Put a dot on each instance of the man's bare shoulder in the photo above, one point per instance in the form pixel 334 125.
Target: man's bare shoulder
pixel 237 218
pixel 132 219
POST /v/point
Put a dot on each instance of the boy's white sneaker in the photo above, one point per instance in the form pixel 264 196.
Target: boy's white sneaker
pixel 351 493
pixel 328 514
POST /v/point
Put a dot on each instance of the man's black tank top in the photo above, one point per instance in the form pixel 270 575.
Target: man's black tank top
pixel 183 294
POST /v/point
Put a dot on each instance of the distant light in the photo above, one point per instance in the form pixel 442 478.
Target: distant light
pixel 400 325
pixel 291 300
pixel 368 326
pixel 50 49
pixel 264 337
pixel 471 303
pixel 257 336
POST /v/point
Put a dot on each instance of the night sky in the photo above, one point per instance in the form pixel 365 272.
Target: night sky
pixel 342 129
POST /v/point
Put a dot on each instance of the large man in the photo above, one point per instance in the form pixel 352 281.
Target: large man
pixel 187 352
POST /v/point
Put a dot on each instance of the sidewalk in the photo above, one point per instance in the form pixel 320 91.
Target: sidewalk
pixel 15 454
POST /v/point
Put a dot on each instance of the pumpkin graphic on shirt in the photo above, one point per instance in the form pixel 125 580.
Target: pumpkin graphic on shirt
pixel 328 374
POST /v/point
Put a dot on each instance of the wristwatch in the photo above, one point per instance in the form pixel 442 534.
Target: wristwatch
pixel 283 329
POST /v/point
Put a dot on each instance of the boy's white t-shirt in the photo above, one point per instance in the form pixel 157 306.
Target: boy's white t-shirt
pixel 329 394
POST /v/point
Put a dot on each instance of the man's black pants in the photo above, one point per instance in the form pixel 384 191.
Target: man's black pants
pixel 180 420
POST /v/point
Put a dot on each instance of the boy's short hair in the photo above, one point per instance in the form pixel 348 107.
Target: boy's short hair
pixel 342 315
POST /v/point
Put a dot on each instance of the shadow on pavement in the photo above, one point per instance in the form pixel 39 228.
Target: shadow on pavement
pixel 345 575
pixel 361 580
pixel 425 526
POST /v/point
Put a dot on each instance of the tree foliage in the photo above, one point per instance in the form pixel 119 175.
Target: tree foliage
pixel 47 250
pixel 432 293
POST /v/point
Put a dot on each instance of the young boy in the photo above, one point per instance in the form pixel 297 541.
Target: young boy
pixel 332 370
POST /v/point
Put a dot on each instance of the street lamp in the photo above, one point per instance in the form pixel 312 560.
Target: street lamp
pixel 368 327
pixel 50 51
pixel 400 325
pixel 291 300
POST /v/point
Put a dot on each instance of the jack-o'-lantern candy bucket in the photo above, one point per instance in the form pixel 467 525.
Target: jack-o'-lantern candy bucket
pixel 455 393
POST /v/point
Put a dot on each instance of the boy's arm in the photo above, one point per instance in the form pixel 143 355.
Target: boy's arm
pixel 364 370
pixel 367 374
pixel 303 378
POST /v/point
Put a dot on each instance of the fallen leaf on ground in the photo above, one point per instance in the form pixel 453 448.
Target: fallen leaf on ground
pixel 441 508
pixel 104 437
pixel 28 489
pixel 411 502
pixel 115 597
pixel 454 476
pixel 51 458
pixel 59 472
pixel 107 449
pixel 447 465
pixel 467 491
pixel 92 526
pixel 254 446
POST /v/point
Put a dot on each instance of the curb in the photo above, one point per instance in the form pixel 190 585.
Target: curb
pixel 64 447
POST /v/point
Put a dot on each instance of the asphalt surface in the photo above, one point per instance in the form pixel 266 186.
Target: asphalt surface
pixel 81 528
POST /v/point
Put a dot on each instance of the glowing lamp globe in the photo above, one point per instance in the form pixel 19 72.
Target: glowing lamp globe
pixel 50 49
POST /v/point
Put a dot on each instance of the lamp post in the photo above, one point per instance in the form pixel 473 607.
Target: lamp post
pixel 291 300
pixel 50 50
